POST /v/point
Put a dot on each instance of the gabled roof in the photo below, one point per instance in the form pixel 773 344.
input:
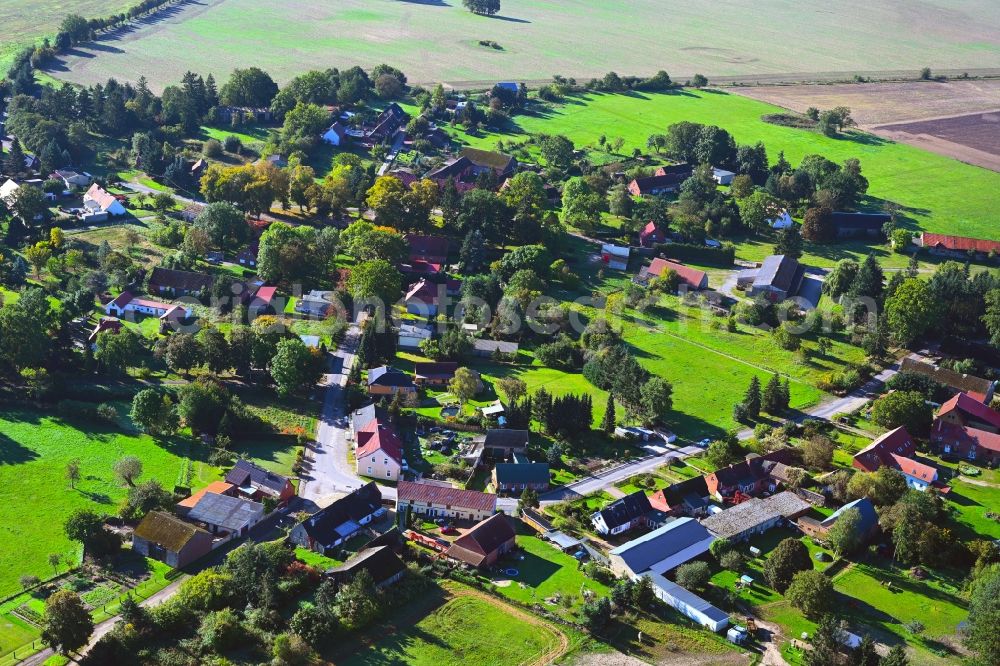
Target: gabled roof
pixel 522 472
pixel 438 369
pixel 881 451
pixel 691 276
pixel 229 513
pixel 408 491
pixel 741 517
pixel 625 509
pixel 365 415
pixel 788 504
pixel 388 376
pixel 477 544
pixel 354 507
pixel 681 168
pixel 376 436
pixel 978 387
pixel 102 197
pixel 216 487
pixel 661 544
pixel 486 158
pixel 650 183
pixel 380 562
pixel 181 280
pixel 777 270
pixel 422 245
pixel 914 468
pixel 959 243
pixel 167 530
pixel 968 437
pixel 245 472
pixel 751 470
pixel 423 292
pixel 502 346
pixel 675 494
pixel 972 407
pixel 860 221
pixel 864 507
pixel 502 438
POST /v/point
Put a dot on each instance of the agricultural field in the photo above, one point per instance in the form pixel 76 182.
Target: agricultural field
pixel 24 21
pixel 440 41
pixel 936 193
pixel 36 498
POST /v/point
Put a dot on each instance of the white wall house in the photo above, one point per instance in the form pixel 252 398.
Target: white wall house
pixel 99 199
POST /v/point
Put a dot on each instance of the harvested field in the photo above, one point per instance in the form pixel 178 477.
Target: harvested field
pixel 972 138
pixel 435 40
pixel 959 119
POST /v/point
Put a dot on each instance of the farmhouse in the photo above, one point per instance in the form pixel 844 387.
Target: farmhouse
pixel 779 277
pixel 750 477
pixel 976 387
pixel 168 539
pixel 387 123
pixel 432 249
pixel 520 475
pixel 411 335
pixel 965 411
pixel 256 483
pixel 380 451
pixel 502 443
pixel 692 278
pixel 860 225
pixel 959 247
pixel 330 527
pixel 485 543
pixel 99 200
pixel 688 497
pixel 179 283
pixel 443 501
pixel 434 373
pixel 126 302
pixel 488 348
pixel 755 516
pixel 895 449
pixel 623 514
pixel 471 163
pixel 615 257
pixel 652 235
pixel 666 180
pixel 866 528
pixel 386 380
pixel 384 566
pixel 225 515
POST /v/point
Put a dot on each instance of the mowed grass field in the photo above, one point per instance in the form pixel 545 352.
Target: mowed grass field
pixel 937 193
pixel 25 21
pixel 437 40
pixel 35 497
pixel 466 629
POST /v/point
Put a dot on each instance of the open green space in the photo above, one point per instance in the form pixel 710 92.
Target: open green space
pixel 464 630
pixel 582 39
pixel 35 497
pixel 936 193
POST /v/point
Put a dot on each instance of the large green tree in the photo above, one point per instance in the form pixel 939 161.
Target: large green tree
pixel 787 559
pixel 910 311
pixel 67 625
pixel 295 367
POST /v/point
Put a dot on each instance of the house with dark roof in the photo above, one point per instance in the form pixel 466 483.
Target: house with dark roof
pixel 330 527
pixel 623 514
pixel 652 235
pixel 164 537
pixel 471 163
pixel 436 501
pixel 749 477
pixel 667 179
pixel 502 443
pixel 692 278
pixel 388 122
pixel 860 225
pixel 959 247
pixel 515 477
pixel 225 515
pixel 336 134
pixel 960 382
pixel 437 373
pixel 380 562
pixel 486 348
pixel 866 528
pixel 965 411
pixel 254 482
pixel 485 543
pixel 896 450
pixel 386 380
pixel 432 249
pixel 365 415
pixel 742 521
pixel 179 283
pixel 684 498
pixel 779 277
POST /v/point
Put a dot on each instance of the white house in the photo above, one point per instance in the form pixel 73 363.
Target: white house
pixel 98 199
pixel 722 177
pixel 126 302
pixel 615 256
pixel 72 178
pixel 411 335
pixel 782 221
pixel 336 135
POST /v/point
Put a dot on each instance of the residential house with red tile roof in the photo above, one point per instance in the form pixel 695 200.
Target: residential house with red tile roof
pixel 895 449
pixel 692 278
pixel 652 235
pixel 432 249
pixel 422 298
pixel 966 428
pixel 380 451
pixel 485 543
pixel 965 411
pixel 749 477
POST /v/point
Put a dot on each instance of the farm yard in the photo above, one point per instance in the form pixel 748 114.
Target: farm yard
pixel 439 41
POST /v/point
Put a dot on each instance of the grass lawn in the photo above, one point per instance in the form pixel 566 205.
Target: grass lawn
pixel 465 629
pixel 314 559
pixel 274 453
pixel 34 451
pixel 544 572
pixel 936 193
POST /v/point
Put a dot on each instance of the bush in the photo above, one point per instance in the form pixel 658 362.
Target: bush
pixel 232 144
pixel 599 573
pixel 212 148
pixel 107 412
pixel 699 254
pixel 693 575
pixel 733 560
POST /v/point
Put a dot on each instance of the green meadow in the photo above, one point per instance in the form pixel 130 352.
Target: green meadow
pixel 937 193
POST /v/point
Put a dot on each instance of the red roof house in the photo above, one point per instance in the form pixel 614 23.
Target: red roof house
pixel 692 277
pixel 967 443
pixel 651 235
pixel 958 245
pixel 895 449
pixel 965 411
